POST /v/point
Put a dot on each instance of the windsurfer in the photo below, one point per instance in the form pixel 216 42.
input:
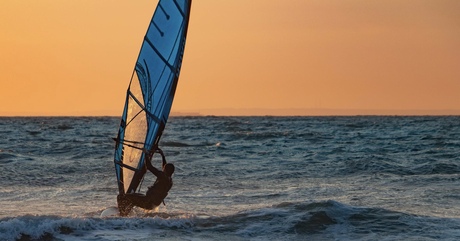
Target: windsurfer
pixel 155 194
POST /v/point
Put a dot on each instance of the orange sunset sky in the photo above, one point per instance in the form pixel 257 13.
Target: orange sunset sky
pixel 243 57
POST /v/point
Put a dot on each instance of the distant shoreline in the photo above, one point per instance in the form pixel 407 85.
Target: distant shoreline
pixel 254 112
pixel 313 112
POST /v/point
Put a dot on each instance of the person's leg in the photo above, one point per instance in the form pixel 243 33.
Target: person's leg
pixel 139 200
pixel 124 205
pixel 128 201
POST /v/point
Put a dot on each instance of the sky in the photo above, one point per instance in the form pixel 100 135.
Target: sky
pixel 242 57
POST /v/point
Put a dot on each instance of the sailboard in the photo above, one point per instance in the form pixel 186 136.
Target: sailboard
pixel 150 92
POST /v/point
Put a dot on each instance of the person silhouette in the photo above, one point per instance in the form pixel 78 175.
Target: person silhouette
pixel 155 194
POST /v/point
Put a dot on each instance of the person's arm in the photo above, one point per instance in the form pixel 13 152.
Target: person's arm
pixel 162 157
pixel 151 168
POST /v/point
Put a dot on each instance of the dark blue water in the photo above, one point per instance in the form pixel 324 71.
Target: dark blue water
pixel 239 178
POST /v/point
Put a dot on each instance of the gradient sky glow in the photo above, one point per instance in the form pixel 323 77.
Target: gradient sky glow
pixel 75 57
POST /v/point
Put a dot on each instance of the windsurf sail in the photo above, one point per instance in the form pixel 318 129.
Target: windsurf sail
pixel 150 92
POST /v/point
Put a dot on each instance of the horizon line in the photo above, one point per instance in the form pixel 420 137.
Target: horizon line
pixel 258 112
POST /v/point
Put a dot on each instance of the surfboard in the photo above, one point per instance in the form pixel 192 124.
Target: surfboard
pixel 110 212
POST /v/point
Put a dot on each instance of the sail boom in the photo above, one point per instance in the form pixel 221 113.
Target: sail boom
pixel 126 166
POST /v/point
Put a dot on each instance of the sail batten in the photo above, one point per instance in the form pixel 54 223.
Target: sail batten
pixel 151 91
pixel 179 8
pixel 159 54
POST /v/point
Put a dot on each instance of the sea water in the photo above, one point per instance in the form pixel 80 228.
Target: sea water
pixel 238 178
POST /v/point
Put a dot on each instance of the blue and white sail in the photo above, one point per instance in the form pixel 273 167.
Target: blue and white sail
pixel 150 92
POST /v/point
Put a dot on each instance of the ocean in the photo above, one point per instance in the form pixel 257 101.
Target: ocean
pixel 238 178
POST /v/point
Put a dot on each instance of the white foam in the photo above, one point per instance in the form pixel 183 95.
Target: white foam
pixel 67 227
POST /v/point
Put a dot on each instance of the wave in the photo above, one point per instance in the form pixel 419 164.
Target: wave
pixel 190 144
pixel 6 157
pixel 55 227
pixel 325 220
pixel 377 164
pixel 438 167
pixel 331 220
